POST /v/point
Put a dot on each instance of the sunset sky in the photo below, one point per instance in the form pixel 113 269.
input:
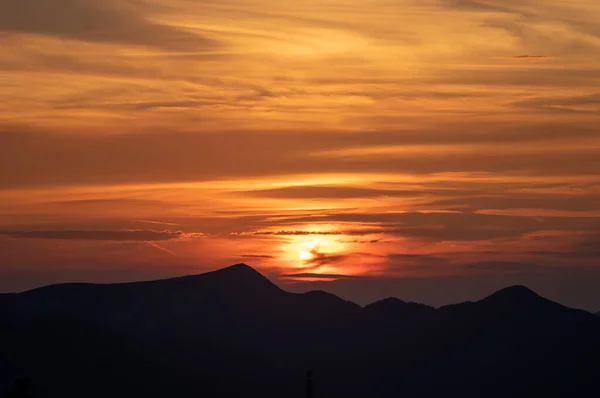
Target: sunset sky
pixel 433 150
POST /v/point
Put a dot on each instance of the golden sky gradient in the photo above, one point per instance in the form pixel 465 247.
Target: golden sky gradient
pixel 429 149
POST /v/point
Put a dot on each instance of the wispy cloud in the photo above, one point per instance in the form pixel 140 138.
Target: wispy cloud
pixel 319 258
pixel 531 56
pixel 96 21
pixel 158 222
pixel 289 233
pixel 263 256
pixel 320 276
pixel 163 249
pixel 125 235
pixel 372 241
pixel 501 266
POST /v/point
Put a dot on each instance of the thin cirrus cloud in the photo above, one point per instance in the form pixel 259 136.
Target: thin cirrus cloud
pixel 566 104
pixel 290 233
pixel 257 256
pixel 483 6
pixel 531 56
pixel 68 159
pixel 320 259
pixel 95 21
pixel 503 265
pixel 331 192
pixel 307 275
pixel 119 236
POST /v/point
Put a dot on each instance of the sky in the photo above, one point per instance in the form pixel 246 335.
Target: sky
pixel 432 150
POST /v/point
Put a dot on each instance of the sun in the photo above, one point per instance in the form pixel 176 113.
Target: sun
pixel 310 251
pixel 305 255
pixel 306 249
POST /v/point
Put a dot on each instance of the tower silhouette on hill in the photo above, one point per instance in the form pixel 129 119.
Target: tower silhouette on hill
pixel 309 385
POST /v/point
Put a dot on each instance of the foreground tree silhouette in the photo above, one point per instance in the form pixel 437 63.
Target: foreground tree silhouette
pixel 21 389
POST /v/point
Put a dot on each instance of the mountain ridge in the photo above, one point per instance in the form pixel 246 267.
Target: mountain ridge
pixel 243 270
pixel 232 332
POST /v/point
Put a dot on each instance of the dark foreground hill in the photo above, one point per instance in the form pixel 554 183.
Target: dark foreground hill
pixel 232 333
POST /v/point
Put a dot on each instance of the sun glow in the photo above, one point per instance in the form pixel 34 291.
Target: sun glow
pixel 307 249
pixel 304 255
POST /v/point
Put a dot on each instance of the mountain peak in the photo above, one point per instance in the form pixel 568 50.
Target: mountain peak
pixel 515 296
pixel 240 266
pixel 517 291
pixel 395 307
pixel 241 275
pixel 241 270
pixel 390 302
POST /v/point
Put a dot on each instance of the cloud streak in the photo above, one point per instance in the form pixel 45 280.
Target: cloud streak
pixel 119 236
pixel 96 21
pixel 531 56
pixel 290 233
pixel 320 276
pixel 257 256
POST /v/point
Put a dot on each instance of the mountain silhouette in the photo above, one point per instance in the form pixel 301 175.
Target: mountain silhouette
pixel 239 276
pixel 392 311
pixel 517 292
pixel 232 332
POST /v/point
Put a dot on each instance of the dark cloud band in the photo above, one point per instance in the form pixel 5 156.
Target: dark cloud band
pixel 121 236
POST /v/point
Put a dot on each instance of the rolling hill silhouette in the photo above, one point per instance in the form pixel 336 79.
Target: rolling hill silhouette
pixel 233 333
